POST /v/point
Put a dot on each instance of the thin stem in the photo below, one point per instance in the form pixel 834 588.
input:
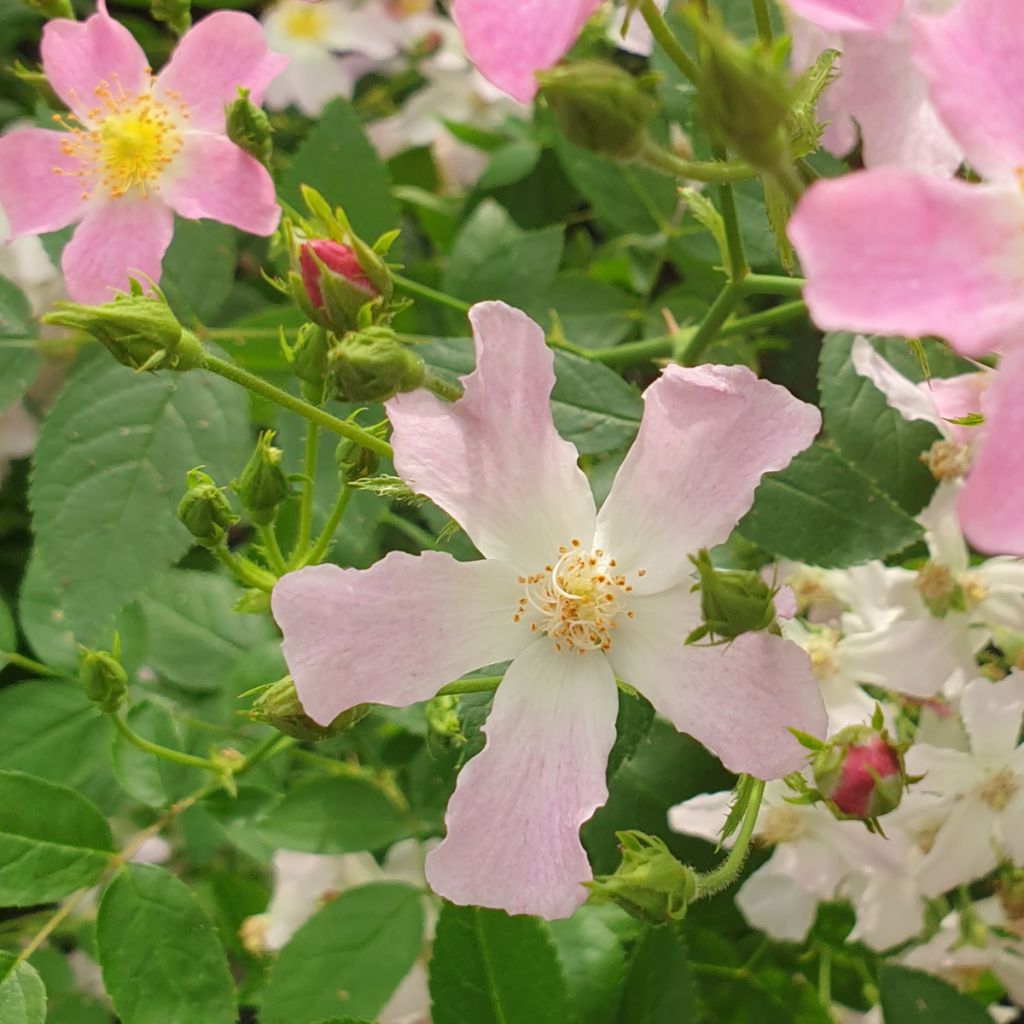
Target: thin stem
pixel 308 483
pixel 763 20
pixel 158 750
pixel 635 351
pixel 772 284
pixel 714 171
pixel 37 668
pixel 480 684
pixel 415 533
pixel 825 975
pixel 432 294
pixel 446 390
pixel 666 39
pixel 272 550
pixel 245 571
pixel 728 298
pixel 718 878
pixel 781 314
pixel 738 267
pixel 323 542
pixel 297 405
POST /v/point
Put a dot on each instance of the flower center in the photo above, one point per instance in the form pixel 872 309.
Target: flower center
pixel 821 649
pixel 781 825
pixel 129 142
pixel 999 789
pixel 947 460
pixel 576 600
pixel 305 21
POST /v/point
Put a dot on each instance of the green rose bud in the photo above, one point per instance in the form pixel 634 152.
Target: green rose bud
pixel 355 462
pixel 650 884
pixel 372 366
pixel 262 486
pixel 52 8
pixel 139 331
pixel 248 126
pixel 731 601
pixel 103 679
pixel 204 510
pixel 309 360
pixel 278 705
pixel 600 107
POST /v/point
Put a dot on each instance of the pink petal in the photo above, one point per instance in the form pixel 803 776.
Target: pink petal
pixel 81 57
pixel 219 54
pixel 394 634
pixel 990 504
pixel 39 189
pixel 493 460
pixel 707 437
pixel 892 252
pixel 848 15
pixel 514 819
pixel 738 699
pixel 509 42
pixel 212 177
pixel 971 58
pixel 118 238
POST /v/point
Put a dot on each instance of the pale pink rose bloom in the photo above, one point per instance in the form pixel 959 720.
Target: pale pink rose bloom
pixel 572 597
pixel 138 149
pixel 509 42
pixel 879 90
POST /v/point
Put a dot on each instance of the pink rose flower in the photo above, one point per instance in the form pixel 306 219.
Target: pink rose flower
pixel 894 252
pixel 571 596
pixel 138 149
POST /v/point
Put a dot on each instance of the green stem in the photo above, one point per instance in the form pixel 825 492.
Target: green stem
pixel 738 267
pixel 772 284
pixel 763 20
pixel 415 533
pixel 297 405
pixel 728 298
pixel 825 975
pixel 446 390
pixel 272 550
pixel 781 314
pixel 244 571
pixel 157 750
pixel 714 171
pixel 37 668
pixel 481 684
pixel 635 351
pixel 432 294
pixel 725 874
pixel 308 483
pixel 666 39
pixel 323 542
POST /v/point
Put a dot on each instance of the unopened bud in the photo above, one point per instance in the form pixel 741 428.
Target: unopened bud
pixel 355 462
pixel 372 366
pixel 309 360
pixel 262 486
pixel 601 107
pixel 650 884
pixel 103 679
pixel 731 601
pixel 204 510
pixel 278 705
pixel 247 125
pixel 139 331
pixel 1011 894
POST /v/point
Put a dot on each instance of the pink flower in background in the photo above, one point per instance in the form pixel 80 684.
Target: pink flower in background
pixel 571 596
pixel 893 252
pixel 138 149
pixel 509 42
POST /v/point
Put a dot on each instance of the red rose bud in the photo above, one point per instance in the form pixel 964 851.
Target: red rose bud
pixel 323 256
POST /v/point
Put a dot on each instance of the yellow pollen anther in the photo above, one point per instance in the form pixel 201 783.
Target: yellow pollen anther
pixel 999 789
pixel 305 21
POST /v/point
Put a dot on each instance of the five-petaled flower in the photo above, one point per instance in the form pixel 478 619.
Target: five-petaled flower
pixel 137 149
pixel 571 596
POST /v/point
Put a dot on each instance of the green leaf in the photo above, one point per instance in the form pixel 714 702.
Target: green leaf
pixel 199 268
pixel 349 957
pixel 633 723
pixel 22 994
pixel 592 957
pixel 493 258
pixel 869 432
pixel 509 164
pixel 339 162
pixel 334 816
pixel 8 629
pixel 19 358
pixel 195 637
pixel 110 469
pixel 593 314
pixel 660 987
pixel 52 841
pixel 823 511
pixel 592 405
pixel 912 997
pixel 490 968
pixel 161 958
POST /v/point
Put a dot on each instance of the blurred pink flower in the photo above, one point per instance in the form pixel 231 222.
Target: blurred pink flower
pixel 571 596
pixel 138 149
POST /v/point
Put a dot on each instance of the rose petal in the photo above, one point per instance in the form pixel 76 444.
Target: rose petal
pixel 514 819
pixel 707 437
pixel 99 53
pixel 393 634
pixel 962 851
pixel 117 239
pixel 890 252
pixel 493 460
pixel 703 815
pixel 992 716
pixel 217 56
pixel 903 395
pixel 212 177
pixel 777 904
pixel 40 190
pixel 848 15
pixel 989 506
pixel 971 58
pixel 946 772
pixel 738 699
pixel 509 43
